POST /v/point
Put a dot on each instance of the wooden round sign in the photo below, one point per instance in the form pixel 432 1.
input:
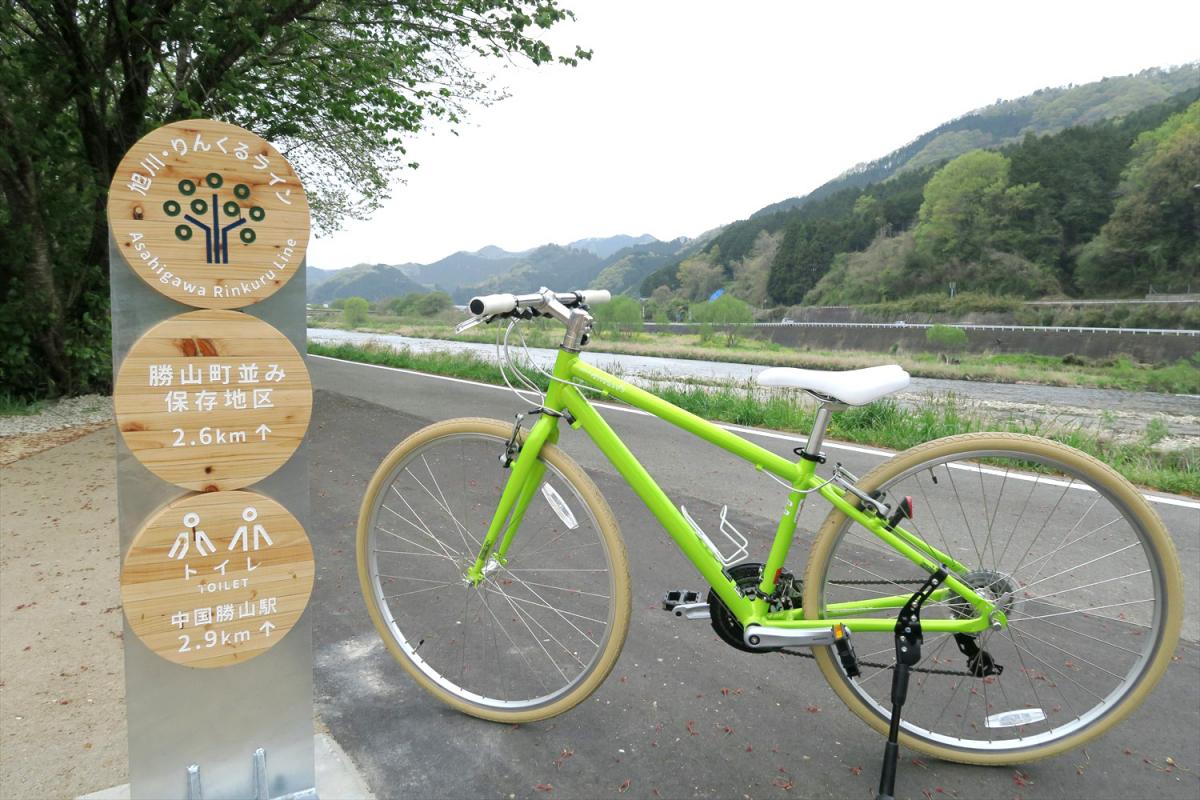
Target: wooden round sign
pixel 209 214
pixel 213 400
pixel 216 579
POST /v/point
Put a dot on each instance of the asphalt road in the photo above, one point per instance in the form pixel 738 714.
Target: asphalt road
pixel 660 726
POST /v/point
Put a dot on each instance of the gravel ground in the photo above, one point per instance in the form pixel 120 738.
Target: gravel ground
pixel 57 423
pixel 67 413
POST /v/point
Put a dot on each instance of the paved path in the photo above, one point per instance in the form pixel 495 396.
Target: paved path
pixel 632 738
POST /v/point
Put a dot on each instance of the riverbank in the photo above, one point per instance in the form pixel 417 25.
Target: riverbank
pixel 886 423
pixel 1113 372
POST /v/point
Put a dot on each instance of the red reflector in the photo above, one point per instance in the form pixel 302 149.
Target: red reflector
pixel 908 501
pixel 778 572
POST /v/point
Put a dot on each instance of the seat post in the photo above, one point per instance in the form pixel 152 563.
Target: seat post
pixel 812 447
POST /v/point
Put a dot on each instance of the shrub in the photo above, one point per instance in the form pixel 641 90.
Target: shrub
pixel 946 337
pixel 725 310
pixel 354 311
pixel 621 310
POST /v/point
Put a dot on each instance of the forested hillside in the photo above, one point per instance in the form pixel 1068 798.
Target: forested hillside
pixel 372 281
pixel 1078 190
pixel 1005 121
pixel 1104 209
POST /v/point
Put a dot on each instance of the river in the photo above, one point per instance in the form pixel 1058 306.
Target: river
pixel 1124 413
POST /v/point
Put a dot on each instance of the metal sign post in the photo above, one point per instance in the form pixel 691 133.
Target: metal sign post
pixel 212 408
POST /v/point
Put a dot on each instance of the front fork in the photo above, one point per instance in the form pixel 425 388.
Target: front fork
pixel 526 472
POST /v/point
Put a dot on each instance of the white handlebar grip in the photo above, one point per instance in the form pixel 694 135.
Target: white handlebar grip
pixel 592 297
pixel 490 304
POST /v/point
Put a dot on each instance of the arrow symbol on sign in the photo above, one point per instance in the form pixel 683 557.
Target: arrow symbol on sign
pixel 262 430
pixel 267 627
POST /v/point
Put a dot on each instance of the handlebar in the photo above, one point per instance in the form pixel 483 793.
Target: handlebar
pixel 491 304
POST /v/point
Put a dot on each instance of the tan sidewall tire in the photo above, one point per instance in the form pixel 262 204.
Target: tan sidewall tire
pixel 1094 470
pixel 608 530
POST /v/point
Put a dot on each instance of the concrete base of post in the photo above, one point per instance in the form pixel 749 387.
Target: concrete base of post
pixel 336 775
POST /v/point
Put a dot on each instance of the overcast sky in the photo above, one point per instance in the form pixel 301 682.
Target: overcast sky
pixel 694 114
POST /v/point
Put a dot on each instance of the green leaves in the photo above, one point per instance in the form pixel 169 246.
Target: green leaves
pixel 338 86
pixel 1151 239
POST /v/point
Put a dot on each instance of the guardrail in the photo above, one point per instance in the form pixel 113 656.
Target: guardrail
pixel 920 325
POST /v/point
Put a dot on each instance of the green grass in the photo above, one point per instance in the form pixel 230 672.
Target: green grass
pixel 962 303
pixel 883 424
pixel 12 406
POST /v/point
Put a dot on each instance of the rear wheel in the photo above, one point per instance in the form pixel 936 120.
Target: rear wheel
pixel 541 631
pixel 1067 548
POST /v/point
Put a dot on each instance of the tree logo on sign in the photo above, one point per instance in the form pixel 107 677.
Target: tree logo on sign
pixel 216 218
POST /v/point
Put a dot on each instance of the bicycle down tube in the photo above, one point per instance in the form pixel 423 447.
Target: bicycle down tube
pixel 562 396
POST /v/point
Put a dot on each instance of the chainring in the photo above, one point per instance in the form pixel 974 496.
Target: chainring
pixel 747 576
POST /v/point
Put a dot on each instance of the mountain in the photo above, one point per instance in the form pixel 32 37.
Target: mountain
pixel 571 267
pixel 607 246
pixel 1096 210
pixel 491 251
pixel 624 270
pixel 372 281
pixel 492 269
pixel 1045 111
pixel 780 251
pixel 549 265
pixel 465 269
pixel 315 276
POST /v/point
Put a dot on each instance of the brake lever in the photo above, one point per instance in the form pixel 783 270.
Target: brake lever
pixel 469 323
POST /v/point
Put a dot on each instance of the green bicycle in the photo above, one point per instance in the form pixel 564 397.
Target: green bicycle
pixel 495 572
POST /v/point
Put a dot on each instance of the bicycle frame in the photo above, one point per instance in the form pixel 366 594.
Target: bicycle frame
pixel 561 397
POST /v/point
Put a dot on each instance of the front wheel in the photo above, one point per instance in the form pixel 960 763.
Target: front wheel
pixel 541 630
pixel 1069 550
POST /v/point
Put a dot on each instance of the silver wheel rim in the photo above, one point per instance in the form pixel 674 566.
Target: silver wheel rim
pixel 1040 646
pixel 525 617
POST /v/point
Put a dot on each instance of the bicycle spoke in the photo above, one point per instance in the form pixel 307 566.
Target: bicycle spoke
pixel 422 527
pixel 1050 554
pixel 1045 522
pixel 417 591
pixel 1061 547
pixel 445 506
pixel 552 569
pixel 533 619
pixel 966 520
pixel 1074 656
pixel 553 594
pixel 1060 592
pixel 566 589
pixel 1019 620
pixel 415 555
pixel 520 651
pixel 410 541
pixel 556 610
pixel 1055 670
pixel 562 614
pixel 1096 608
pixel 1028 586
pixel 410 578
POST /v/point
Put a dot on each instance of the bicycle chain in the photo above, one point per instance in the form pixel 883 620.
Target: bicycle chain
pixel 873 664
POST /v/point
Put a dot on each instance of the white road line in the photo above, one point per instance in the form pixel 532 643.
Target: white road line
pixel 1153 498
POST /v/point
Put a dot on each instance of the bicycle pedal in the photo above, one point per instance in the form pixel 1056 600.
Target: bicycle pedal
pixel 679 597
pixel 845 650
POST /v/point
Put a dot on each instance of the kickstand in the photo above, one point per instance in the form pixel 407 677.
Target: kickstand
pixel 908 653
